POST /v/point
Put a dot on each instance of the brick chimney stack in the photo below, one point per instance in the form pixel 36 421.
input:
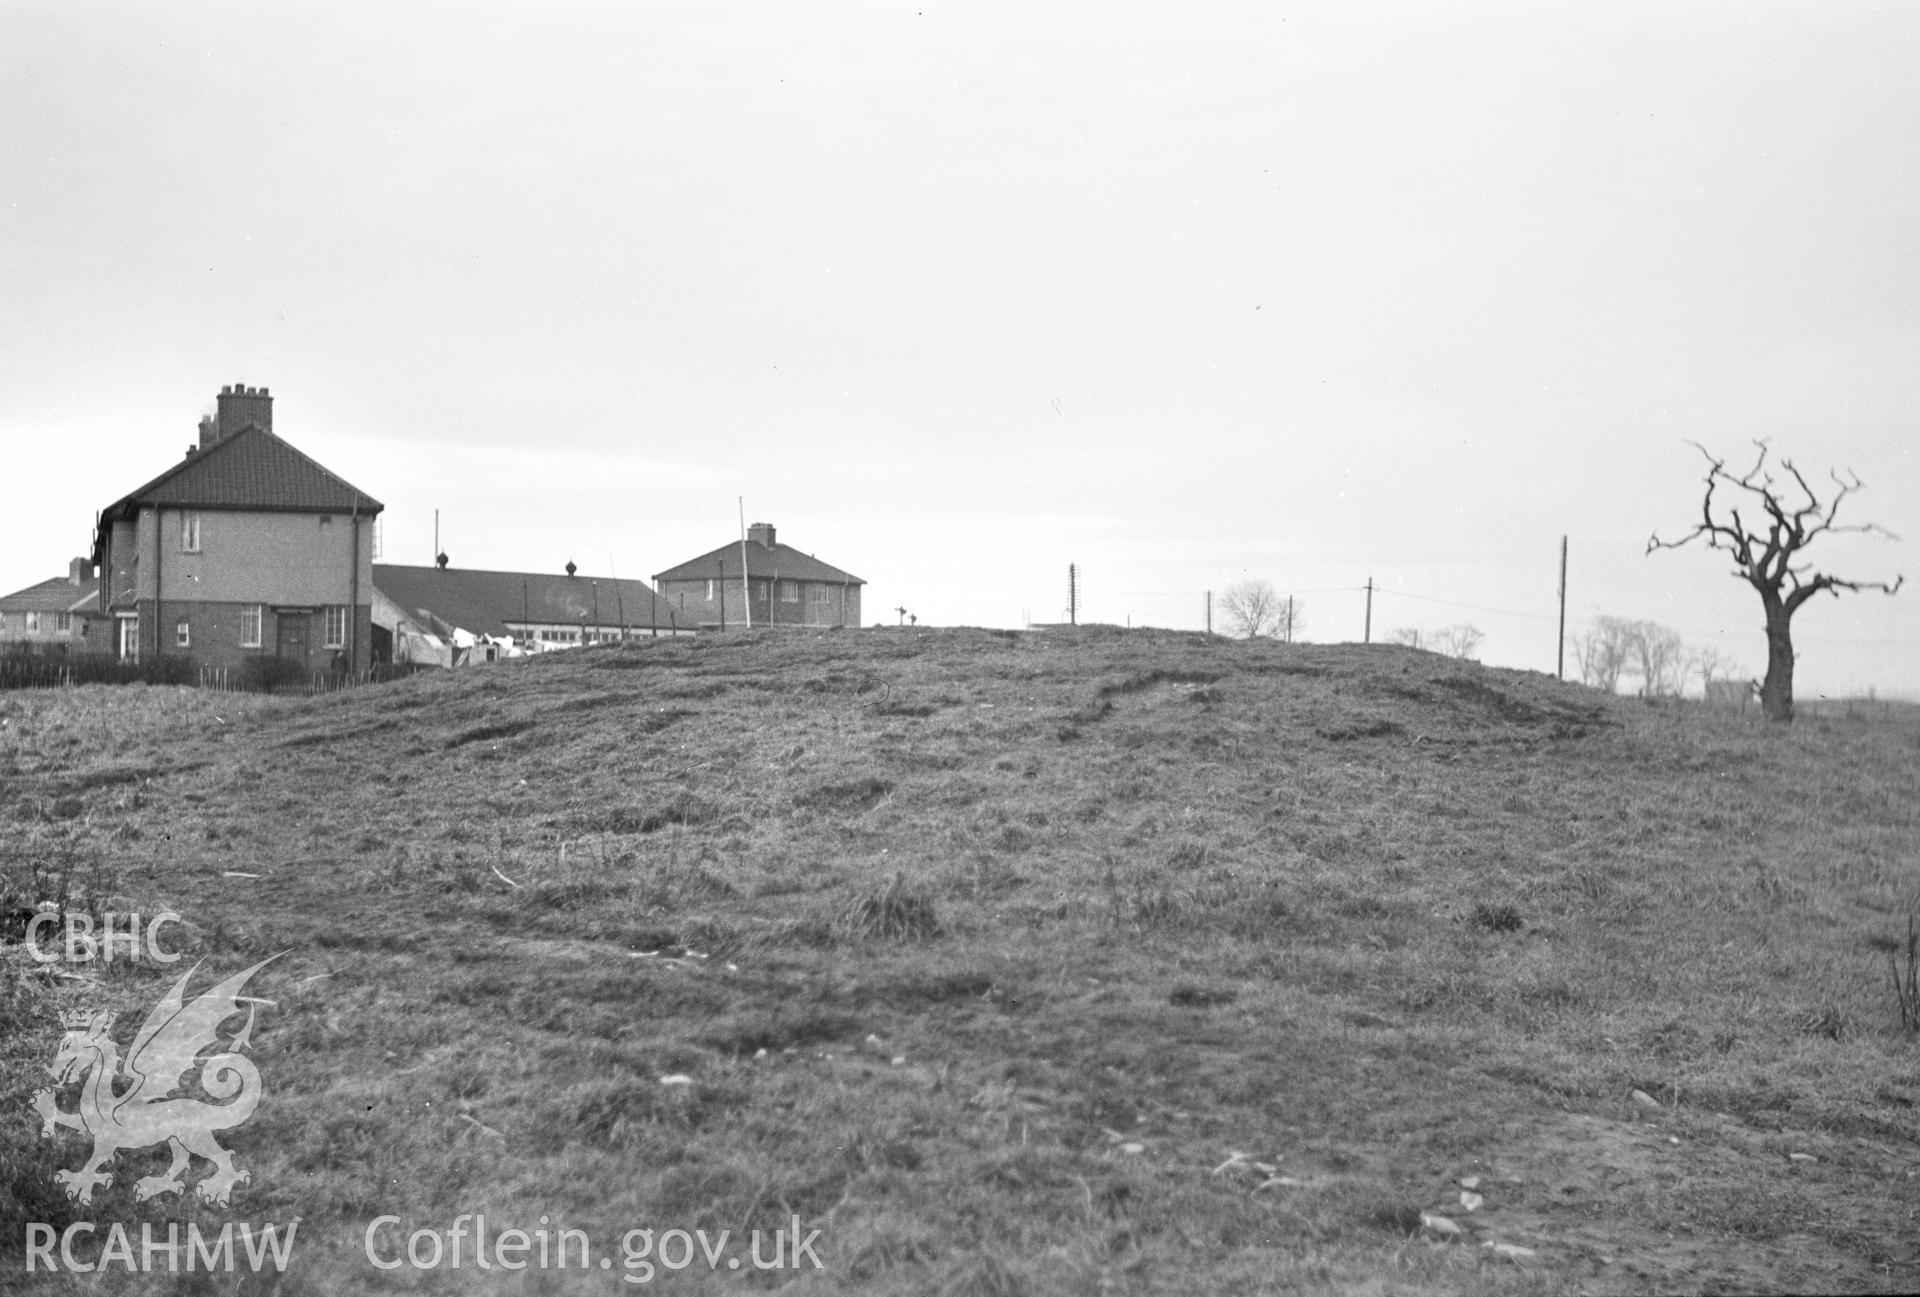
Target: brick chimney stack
pixel 239 406
pixel 761 533
pixel 79 571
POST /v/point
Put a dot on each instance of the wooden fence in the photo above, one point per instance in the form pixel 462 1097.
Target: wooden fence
pixel 52 671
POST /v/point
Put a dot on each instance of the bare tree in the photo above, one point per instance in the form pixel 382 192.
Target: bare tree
pixel 1602 653
pixel 1460 641
pixel 1252 608
pixel 1660 656
pixel 1709 664
pixel 1764 553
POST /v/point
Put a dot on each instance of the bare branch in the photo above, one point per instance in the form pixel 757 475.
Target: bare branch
pixel 1834 585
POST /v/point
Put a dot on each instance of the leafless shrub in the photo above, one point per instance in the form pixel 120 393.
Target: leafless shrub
pixel 1461 641
pixel 1903 964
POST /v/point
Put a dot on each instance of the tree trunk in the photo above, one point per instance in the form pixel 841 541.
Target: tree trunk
pixel 1776 691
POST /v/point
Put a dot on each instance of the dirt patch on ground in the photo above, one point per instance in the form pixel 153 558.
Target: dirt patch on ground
pixel 1690 1202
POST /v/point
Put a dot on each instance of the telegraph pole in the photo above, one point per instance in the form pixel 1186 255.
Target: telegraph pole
pixel 1209 612
pixel 746 585
pixel 1368 637
pixel 1073 594
pixel 1289 619
pixel 1560 663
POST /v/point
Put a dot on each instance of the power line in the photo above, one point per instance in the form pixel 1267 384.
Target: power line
pixel 1360 589
pixel 1188 594
pixel 1455 603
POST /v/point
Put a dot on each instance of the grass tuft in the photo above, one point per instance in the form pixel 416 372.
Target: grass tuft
pixel 896 912
pixel 1497 918
pixel 1829 1021
pixel 1190 996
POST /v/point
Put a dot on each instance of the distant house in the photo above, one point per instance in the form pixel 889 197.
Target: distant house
pixel 245 549
pixel 60 615
pixel 780 586
pixel 450 616
pixel 1730 693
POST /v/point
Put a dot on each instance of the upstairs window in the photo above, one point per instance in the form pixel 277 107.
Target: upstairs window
pixel 190 533
pixel 33 622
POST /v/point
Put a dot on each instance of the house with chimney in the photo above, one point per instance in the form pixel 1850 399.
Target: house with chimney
pixel 450 616
pixel 246 549
pixel 760 582
pixel 60 615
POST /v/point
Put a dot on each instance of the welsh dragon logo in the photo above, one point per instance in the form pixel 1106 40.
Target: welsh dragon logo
pixel 149 1109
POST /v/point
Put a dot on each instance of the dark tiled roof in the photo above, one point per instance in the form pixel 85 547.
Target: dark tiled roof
pixel 484 602
pixel 55 595
pixel 762 561
pixel 251 469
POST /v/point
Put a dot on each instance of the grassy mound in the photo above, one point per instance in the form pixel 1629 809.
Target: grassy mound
pixel 1046 962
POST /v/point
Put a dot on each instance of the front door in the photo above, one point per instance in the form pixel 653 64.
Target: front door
pixel 292 636
pixel 130 638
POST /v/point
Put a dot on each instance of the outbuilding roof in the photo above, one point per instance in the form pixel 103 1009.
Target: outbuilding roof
pixel 248 469
pixel 484 602
pixel 59 594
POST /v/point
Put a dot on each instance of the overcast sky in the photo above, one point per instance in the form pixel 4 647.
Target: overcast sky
pixel 956 295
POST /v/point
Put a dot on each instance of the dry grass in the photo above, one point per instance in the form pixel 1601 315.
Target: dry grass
pixel 1122 906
